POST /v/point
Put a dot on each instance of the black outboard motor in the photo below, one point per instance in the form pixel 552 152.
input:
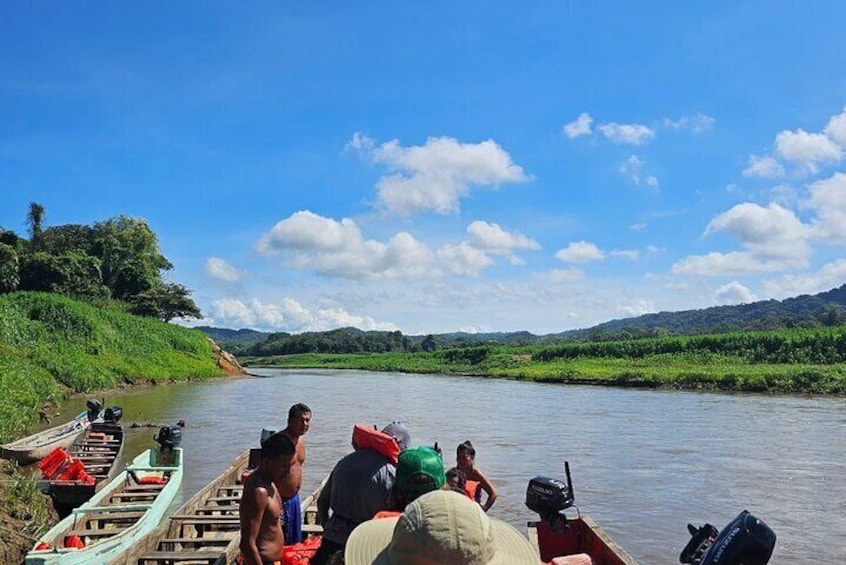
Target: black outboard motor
pixel 94 409
pixel 169 436
pixel 745 541
pixel 113 414
pixel 550 497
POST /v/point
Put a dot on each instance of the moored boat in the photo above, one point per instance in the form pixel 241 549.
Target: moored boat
pixel 36 446
pixel 98 449
pixel 126 509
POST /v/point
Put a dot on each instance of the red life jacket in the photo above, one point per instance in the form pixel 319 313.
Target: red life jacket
pixel 473 489
pixel 365 437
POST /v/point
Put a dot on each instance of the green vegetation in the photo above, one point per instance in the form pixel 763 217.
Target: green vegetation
pixel 798 360
pixel 23 500
pixel 51 345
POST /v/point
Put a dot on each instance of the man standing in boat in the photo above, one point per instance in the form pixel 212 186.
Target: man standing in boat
pixel 299 421
pixel 277 477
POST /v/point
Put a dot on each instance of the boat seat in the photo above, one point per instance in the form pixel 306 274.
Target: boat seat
pixel 182 544
pixel 219 499
pixel 141 488
pixel 217 510
pixel 172 558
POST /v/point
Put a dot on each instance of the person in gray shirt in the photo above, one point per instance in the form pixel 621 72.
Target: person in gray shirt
pixel 358 487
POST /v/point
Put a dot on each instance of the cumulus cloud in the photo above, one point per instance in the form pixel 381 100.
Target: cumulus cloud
pixel 337 248
pixel 766 167
pixel 734 293
pixel 219 269
pixel 831 275
pixel 289 315
pixel 696 123
pixel 638 307
pixel 493 239
pixel 436 175
pixel 773 238
pixel 580 252
pixel 627 134
pixel 579 127
pixel 633 168
pixel 562 276
pixel 464 259
pixel 836 128
pixel 807 149
pixel 828 199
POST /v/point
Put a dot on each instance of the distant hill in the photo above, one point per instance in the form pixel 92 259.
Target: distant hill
pixel 826 308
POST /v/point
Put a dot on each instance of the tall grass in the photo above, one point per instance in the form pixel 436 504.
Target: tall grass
pixel 51 345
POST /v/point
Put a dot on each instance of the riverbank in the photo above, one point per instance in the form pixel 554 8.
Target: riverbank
pixel 673 371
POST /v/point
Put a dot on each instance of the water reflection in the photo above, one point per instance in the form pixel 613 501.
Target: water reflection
pixel 644 463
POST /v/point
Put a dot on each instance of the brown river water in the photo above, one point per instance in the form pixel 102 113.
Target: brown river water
pixel 644 463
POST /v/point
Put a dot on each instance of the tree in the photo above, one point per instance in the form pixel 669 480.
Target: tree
pixel 9 271
pixel 165 302
pixel 35 219
pixel 73 274
pixel 428 343
pixel 68 238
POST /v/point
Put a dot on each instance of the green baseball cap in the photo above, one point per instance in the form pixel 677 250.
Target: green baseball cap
pixel 420 469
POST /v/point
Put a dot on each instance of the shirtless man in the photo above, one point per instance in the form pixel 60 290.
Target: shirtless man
pixel 299 421
pixel 261 504
pixel 465 456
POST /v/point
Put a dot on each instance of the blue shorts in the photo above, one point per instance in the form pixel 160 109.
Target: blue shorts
pixel 292 520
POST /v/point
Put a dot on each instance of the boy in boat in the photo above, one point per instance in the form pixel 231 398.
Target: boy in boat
pixel 465 455
pixel 299 421
pixel 358 487
pixel 260 510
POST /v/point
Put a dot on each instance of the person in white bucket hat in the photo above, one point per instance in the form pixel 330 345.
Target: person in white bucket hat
pixel 439 528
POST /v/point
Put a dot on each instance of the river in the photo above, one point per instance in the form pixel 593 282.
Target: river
pixel 644 462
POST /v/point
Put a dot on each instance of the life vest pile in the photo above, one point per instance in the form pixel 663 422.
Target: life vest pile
pixel 365 437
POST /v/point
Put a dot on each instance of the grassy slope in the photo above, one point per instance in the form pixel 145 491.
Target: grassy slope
pixel 686 371
pixel 51 345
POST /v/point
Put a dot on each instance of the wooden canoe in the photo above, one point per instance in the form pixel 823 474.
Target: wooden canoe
pixel 99 448
pixel 130 506
pixel 36 447
pixel 207 528
pixel 582 535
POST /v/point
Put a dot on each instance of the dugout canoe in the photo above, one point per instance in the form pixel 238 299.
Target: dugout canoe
pixel 131 505
pixel 99 448
pixel 582 536
pixel 35 447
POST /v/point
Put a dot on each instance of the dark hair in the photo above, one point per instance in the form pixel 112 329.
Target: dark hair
pixel 456 474
pixel 275 446
pixel 466 446
pixel 298 409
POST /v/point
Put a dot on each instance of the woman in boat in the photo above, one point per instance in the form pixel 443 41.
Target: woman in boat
pixel 465 455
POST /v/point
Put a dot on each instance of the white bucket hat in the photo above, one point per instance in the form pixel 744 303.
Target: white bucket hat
pixel 439 528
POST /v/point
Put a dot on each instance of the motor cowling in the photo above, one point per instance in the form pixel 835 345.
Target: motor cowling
pixel 548 496
pixel 113 414
pixel 746 540
pixel 169 436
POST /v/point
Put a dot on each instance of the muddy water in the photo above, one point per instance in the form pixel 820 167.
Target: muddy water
pixel 644 463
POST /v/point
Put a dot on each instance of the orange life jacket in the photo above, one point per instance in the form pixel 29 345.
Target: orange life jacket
pixel 386 514
pixel 473 490
pixel 365 437
pixel 300 553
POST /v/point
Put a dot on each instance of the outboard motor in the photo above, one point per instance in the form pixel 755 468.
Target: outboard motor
pixel 94 409
pixel 169 436
pixel 550 497
pixel 745 541
pixel 113 414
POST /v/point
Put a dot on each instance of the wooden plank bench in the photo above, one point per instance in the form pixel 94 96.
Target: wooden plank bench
pixel 172 558
pixel 194 544
pixel 217 510
pixel 227 499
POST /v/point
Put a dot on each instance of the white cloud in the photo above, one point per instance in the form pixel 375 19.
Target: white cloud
pixel 493 239
pixel 783 194
pixel 773 239
pixel 563 276
pixel 289 315
pixel 830 276
pixel 580 252
pixel 828 199
pixel 640 226
pixel 435 176
pixel 329 247
pixel 219 269
pixel 464 259
pixel 579 127
pixel 807 149
pixel 734 293
pixel 766 167
pixel 627 134
pixel 629 254
pixel 696 123
pixel 638 307
pixel 652 181
pixel 836 128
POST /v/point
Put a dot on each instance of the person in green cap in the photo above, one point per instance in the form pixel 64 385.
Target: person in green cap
pixel 419 470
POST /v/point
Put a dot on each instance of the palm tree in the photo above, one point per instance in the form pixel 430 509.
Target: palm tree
pixel 34 220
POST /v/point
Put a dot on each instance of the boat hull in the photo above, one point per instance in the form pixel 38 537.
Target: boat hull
pixel 104 550
pixel 37 446
pixel 582 535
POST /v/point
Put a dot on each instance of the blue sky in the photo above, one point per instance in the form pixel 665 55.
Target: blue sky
pixel 473 166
